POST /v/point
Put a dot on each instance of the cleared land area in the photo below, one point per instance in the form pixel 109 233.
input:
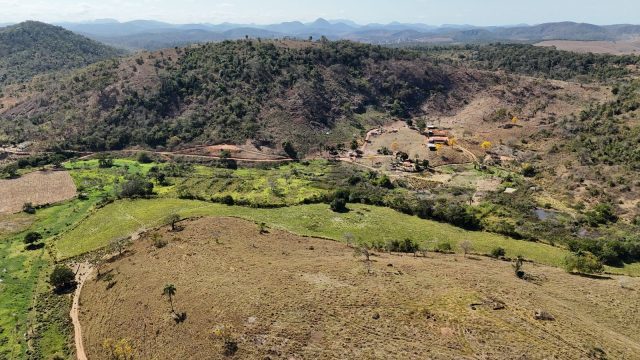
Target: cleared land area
pixel 278 295
pixel 622 47
pixel 38 188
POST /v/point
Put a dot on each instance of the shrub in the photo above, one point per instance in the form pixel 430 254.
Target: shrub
pixel 444 247
pixel 227 200
pixel 583 263
pixel 385 182
pixel 172 219
pixel 498 252
pixel 62 278
pixel 32 238
pixel 339 205
pixel 144 158
pixel 405 246
pixel 528 170
pixel 466 247
pixel 601 214
pixel 105 163
pixel 158 241
pixel 135 186
pixel 517 267
pixel 29 208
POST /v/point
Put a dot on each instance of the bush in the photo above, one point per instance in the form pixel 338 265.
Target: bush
pixel 583 263
pixel 227 200
pixel 601 214
pixel 62 278
pixel 105 163
pixel 29 208
pixel 339 205
pixel 32 238
pixel 136 186
pixel 405 246
pixel 498 252
pixel 144 158
pixel 444 247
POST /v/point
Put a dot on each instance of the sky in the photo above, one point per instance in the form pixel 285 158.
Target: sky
pixel 432 12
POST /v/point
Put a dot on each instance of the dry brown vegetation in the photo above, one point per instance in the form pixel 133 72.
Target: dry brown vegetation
pixel 38 188
pixel 278 295
pixel 622 47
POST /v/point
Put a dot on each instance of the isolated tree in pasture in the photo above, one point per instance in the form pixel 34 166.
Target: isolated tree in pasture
pixel 172 219
pixel 32 238
pixel 583 263
pixel 118 245
pixel 263 228
pixel 62 278
pixel 466 247
pixel 348 239
pixel 169 291
pixel 517 267
pixel 363 250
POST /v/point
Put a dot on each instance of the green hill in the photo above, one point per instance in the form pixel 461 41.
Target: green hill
pixel 269 92
pixel 32 48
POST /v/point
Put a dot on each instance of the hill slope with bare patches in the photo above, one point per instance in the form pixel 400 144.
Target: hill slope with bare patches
pixel 278 295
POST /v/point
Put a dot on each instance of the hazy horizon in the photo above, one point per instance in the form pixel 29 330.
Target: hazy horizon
pixel 430 12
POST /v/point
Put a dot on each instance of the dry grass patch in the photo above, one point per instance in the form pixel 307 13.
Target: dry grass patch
pixel 278 295
pixel 38 188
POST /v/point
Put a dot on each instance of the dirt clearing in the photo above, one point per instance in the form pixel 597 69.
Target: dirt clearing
pixel 281 296
pixel 622 47
pixel 38 188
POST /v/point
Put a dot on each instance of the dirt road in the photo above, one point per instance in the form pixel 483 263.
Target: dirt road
pixel 82 274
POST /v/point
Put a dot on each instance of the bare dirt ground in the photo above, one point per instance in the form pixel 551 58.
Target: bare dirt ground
pixel 399 137
pixel 83 272
pixel 243 152
pixel 39 188
pixel 281 296
pixel 622 47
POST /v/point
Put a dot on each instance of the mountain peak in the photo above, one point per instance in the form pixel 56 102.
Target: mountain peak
pixel 320 22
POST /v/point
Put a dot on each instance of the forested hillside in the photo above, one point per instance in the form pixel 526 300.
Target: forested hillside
pixel 543 62
pixel 270 92
pixel 32 48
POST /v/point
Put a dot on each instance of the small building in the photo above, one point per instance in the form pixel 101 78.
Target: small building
pixel 440 133
pixel 432 147
pixel 439 140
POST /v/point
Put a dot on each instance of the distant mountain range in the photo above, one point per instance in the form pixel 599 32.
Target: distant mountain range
pixel 148 34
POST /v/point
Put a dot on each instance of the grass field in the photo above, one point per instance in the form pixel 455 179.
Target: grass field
pixel 289 184
pixel 366 223
pixel 23 274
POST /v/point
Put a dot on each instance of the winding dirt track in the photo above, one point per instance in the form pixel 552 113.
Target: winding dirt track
pixel 83 273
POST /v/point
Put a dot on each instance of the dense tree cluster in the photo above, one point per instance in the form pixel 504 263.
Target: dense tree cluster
pixel 602 135
pixel 543 62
